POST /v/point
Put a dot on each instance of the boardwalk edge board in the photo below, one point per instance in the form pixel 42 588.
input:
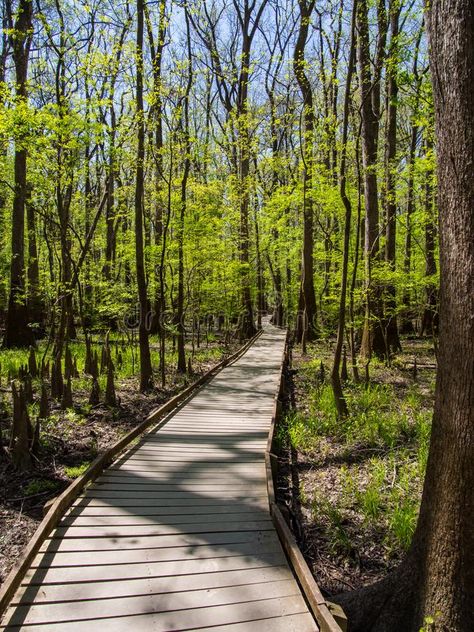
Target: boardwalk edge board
pixel 330 617
pixel 157 418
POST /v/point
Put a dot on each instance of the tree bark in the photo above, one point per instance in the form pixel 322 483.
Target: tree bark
pixel 373 337
pixel 339 398
pixel 390 313
pixel 17 332
pixel 146 371
pixel 307 282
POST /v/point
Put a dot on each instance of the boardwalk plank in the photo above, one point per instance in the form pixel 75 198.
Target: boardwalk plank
pixel 218 540
pixel 123 531
pixel 170 520
pixel 134 556
pixel 164 602
pixel 184 620
pixel 151 585
pixel 97 572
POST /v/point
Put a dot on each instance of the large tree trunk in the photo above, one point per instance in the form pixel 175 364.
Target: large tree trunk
pixel 17 332
pixel 437 578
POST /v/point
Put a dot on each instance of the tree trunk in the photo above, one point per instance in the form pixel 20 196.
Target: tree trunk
pixel 156 50
pixel 407 326
pixel 17 332
pixel 247 325
pixel 339 398
pixel 146 371
pixel 186 148
pixel 309 296
pixel 430 320
pixel 373 337
pixel 390 321
pixel 407 323
pixel 260 277
pixel 36 308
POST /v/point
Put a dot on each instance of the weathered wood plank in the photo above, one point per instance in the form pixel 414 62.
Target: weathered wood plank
pixel 221 541
pixel 163 602
pixel 135 556
pixel 199 477
pixel 177 520
pixel 291 623
pixel 125 531
pixel 155 495
pixel 165 512
pixel 150 585
pixel 72 575
pixel 183 620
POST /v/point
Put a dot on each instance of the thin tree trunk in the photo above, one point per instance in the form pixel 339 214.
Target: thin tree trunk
pixel 309 296
pixel 407 324
pixel 430 320
pixel 146 371
pixel 339 398
pixel 17 332
pixel 36 308
pixel 373 339
pixel 184 124
pixel 390 313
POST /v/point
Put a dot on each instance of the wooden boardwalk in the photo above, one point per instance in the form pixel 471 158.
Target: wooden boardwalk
pixel 177 535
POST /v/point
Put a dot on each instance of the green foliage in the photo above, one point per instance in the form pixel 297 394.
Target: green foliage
pixel 334 523
pixel 74 471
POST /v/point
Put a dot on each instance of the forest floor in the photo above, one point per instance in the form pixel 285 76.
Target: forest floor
pixel 71 439
pixel 353 487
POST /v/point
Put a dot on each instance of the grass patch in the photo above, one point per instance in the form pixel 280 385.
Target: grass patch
pixel 74 471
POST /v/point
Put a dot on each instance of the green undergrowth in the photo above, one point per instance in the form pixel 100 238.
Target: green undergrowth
pixel 71 426
pixel 74 471
pixel 366 471
pixel 125 356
